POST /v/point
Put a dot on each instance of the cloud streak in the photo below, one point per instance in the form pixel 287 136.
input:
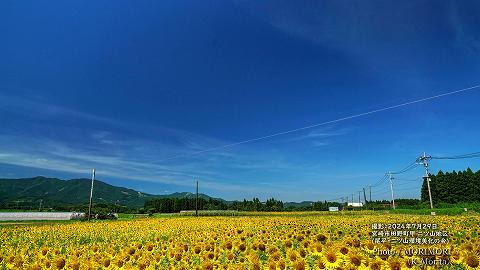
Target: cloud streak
pixel 117 151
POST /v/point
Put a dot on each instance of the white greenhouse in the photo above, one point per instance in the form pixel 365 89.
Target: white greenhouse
pixel 40 215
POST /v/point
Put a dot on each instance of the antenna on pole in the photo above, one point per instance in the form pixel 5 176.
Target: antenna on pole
pixel 391 188
pixel 196 202
pixel 424 160
pixel 91 195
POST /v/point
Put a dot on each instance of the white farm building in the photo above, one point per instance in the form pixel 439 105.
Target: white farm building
pixel 355 204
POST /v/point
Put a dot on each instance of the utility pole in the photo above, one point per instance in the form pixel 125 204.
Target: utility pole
pixel 364 195
pixel 40 207
pixel 424 160
pixel 359 198
pixel 370 188
pixel 391 188
pixel 196 202
pixel 91 195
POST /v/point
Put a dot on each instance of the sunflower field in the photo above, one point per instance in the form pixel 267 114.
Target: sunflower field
pixel 321 241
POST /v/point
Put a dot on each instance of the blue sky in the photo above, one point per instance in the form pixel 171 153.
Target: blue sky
pixel 124 87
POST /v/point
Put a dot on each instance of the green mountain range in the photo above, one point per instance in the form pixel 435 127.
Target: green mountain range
pixel 54 191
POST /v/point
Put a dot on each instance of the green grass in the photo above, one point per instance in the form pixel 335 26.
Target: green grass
pixel 438 211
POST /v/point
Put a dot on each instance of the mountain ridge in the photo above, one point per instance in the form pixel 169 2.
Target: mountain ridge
pixel 70 192
pixel 75 191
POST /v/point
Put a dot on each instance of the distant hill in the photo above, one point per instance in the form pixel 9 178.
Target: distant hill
pixel 187 195
pixel 55 191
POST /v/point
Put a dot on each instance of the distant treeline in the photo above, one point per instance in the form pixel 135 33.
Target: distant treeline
pixel 174 205
pixel 399 203
pixel 454 187
pixel 273 205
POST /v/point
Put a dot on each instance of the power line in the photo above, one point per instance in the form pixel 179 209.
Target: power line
pixel 326 123
pixel 407 189
pixel 380 191
pixel 407 183
pixel 381 181
pixel 389 176
pixel 408 168
pixel 385 192
pixel 470 155
pixel 408 180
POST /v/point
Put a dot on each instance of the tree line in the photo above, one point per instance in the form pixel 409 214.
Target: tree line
pixel 175 205
pixel 454 187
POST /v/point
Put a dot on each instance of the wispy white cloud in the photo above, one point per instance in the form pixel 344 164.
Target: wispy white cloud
pixel 37 108
pixel 317 134
pixel 102 136
pixel 319 137
pixel 122 153
pixel 464 31
pixel 320 143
